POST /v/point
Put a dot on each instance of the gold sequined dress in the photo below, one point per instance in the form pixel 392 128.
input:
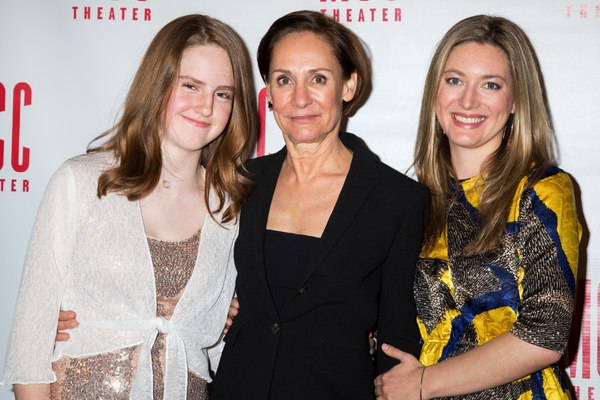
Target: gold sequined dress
pixel 110 375
pixel 91 255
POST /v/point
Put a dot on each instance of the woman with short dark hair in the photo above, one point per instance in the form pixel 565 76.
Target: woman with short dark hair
pixel 329 238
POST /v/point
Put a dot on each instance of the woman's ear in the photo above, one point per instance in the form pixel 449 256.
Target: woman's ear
pixel 268 85
pixel 349 89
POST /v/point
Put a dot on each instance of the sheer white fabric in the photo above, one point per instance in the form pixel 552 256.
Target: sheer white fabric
pixel 91 256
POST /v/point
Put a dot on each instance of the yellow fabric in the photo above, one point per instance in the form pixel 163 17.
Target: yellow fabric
pixel 538 218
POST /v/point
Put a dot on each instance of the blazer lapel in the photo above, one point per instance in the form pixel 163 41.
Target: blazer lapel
pixel 359 183
pixel 260 203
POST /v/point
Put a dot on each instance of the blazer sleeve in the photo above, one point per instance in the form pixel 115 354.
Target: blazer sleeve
pixel 31 340
pixel 397 320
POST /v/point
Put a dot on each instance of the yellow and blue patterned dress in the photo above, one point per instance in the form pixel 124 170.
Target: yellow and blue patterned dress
pixel 526 286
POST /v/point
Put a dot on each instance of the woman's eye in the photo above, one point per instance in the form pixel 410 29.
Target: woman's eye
pixel 189 86
pixel 492 85
pixel 223 95
pixel 284 80
pixel 453 81
pixel 320 79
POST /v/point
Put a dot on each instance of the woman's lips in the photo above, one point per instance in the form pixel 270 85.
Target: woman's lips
pixel 303 118
pixel 468 121
pixel 195 122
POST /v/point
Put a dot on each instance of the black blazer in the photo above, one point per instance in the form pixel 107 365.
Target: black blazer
pixel 361 278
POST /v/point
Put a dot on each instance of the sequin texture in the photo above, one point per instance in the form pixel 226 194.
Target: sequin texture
pixel 173 266
pixel 111 375
pixel 103 376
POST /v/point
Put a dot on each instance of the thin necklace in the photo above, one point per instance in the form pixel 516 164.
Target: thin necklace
pixel 167 184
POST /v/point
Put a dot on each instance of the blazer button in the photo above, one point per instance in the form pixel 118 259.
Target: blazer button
pixel 275 328
pixel 302 290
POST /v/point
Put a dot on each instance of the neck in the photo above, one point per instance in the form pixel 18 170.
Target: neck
pixel 307 160
pixel 468 163
pixel 180 171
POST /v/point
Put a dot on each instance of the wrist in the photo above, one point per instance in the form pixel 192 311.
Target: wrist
pixel 421 383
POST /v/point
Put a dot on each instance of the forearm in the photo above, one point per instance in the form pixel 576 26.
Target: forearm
pixel 39 391
pixel 497 362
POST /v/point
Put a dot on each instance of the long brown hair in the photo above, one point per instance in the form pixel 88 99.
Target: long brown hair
pixel 135 141
pixel 527 146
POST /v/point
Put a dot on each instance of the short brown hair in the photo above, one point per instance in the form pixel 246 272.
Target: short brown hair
pixel 135 140
pixel 345 45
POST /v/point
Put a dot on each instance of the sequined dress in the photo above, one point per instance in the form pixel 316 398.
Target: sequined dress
pixel 91 255
pixel 526 286
pixel 110 375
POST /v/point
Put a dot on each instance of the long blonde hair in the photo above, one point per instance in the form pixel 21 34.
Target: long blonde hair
pixel 135 141
pixel 527 146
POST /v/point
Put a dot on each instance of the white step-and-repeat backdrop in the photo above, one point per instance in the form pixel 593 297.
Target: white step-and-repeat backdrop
pixel 65 66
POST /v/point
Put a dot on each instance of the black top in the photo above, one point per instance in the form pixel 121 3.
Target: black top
pixel 286 262
pixel 359 277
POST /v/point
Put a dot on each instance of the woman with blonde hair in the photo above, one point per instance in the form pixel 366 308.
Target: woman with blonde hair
pixel 137 235
pixel 495 283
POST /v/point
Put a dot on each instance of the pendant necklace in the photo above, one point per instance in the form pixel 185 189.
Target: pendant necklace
pixel 167 184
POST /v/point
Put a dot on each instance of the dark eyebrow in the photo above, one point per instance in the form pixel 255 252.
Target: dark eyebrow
pixel 312 71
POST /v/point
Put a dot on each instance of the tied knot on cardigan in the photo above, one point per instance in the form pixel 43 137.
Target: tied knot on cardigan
pixel 163 325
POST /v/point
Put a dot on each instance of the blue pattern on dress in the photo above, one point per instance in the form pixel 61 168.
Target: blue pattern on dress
pixel 462 199
pixel 537 386
pixel 507 295
pixel 550 221
pixel 513 227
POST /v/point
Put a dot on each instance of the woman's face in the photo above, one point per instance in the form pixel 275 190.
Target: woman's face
pixel 201 102
pixel 306 87
pixel 475 98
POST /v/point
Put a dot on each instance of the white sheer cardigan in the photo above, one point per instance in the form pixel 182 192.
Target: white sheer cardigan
pixel 91 255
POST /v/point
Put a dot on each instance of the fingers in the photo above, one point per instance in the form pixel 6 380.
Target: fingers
pixel 393 352
pixel 234 308
pixel 228 323
pixel 379 388
pixel 62 337
pixel 67 324
pixel 66 320
pixel 66 315
pixel 378 381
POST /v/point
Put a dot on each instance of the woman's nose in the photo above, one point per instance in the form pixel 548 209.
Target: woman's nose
pixel 204 105
pixel 468 98
pixel 301 96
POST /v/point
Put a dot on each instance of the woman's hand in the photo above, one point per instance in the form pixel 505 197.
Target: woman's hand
pixel 234 308
pixel 372 344
pixel 401 382
pixel 496 362
pixel 66 320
